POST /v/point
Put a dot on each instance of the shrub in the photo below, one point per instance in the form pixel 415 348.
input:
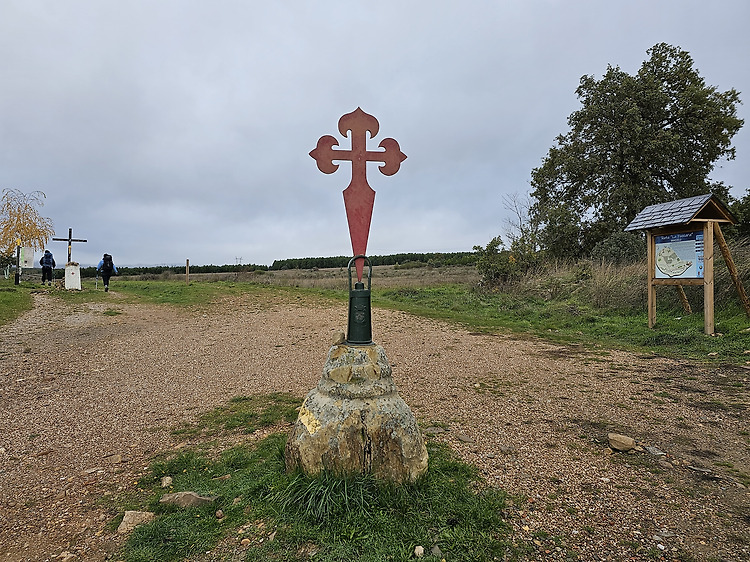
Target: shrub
pixel 620 248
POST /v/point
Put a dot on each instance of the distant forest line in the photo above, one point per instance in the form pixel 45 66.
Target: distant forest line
pixel 428 259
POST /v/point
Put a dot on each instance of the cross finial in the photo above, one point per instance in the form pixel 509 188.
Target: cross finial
pixel 359 197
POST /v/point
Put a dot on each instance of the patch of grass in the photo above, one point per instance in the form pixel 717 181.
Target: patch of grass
pixel 296 517
pixel 173 292
pixel 569 321
pixel 14 300
pixel 289 516
pixel 246 412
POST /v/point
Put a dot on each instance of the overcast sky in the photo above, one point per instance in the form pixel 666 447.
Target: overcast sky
pixel 165 130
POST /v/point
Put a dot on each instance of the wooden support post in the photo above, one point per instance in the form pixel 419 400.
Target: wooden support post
pixel 708 278
pixel 18 263
pixel 187 272
pixel 651 274
pixel 684 300
pixel 732 268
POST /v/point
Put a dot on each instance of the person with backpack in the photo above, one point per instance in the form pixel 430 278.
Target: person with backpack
pixel 107 267
pixel 48 264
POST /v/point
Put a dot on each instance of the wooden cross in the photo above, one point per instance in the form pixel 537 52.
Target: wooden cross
pixel 70 241
pixel 359 197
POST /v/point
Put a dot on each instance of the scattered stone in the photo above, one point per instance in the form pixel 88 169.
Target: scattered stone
pixel 418 551
pixel 433 430
pixel 338 338
pixel 656 452
pixel 43 453
pixel 219 514
pixel 665 464
pixel 620 442
pixel 436 552
pixel 132 519
pixel 166 481
pixel 464 438
pixel 114 459
pixel 186 499
pixel 245 542
pixel 222 478
pixel 508 450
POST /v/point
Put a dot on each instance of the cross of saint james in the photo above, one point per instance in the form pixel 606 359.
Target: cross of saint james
pixel 359 197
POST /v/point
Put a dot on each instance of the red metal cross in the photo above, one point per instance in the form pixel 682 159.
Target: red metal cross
pixel 359 197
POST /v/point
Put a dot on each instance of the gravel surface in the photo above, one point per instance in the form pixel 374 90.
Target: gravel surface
pixel 87 398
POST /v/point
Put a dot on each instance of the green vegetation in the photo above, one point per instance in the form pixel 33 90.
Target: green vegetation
pixel 575 320
pixel 246 412
pixel 432 259
pixel 637 140
pixel 291 516
pixel 14 301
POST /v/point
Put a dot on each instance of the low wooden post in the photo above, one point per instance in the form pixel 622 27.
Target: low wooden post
pixel 651 275
pixel 731 267
pixel 187 272
pixel 18 264
pixel 708 277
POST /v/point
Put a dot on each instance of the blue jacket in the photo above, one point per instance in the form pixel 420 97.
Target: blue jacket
pixel 47 259
pixel 101 263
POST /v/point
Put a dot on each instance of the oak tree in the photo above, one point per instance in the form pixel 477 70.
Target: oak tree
pixel 636 141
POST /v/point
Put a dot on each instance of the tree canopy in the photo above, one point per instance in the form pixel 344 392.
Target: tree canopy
pixel 636 141
pixel 20 219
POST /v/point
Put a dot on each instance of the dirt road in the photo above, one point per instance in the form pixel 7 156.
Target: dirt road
pixel 88 394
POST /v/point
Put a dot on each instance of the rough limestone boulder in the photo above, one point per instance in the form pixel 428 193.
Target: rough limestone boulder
pixel 620 442
pixel 355 422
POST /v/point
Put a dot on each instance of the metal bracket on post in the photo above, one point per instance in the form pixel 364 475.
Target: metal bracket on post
pixel 359 328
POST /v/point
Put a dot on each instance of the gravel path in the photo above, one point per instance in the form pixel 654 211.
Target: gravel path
pixel 88 394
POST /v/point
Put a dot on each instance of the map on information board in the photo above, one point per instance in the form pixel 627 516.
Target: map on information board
pixel 679 255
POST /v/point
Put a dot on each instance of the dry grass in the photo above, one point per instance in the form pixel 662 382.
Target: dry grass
pixel 383 276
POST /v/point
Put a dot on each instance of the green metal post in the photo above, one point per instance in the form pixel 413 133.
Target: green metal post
pixel 359 328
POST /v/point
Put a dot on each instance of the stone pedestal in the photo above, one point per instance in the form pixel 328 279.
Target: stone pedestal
pixel 73 276
pixel 354 421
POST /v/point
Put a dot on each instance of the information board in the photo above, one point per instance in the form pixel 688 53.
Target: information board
pixel 27 258
pixel 679 256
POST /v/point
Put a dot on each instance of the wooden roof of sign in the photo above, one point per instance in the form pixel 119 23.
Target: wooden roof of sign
pixel 700 208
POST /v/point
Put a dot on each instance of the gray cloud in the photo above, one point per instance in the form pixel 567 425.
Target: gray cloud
pixel 181 129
